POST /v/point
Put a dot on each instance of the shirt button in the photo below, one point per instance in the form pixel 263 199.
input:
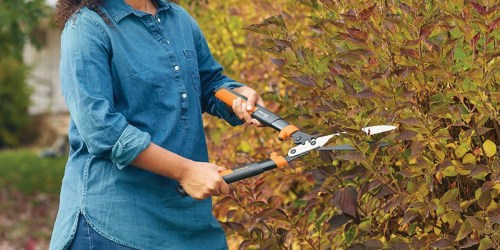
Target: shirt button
pixel 168 41
pixel 176 68
pixel 184 95
pixel 158 19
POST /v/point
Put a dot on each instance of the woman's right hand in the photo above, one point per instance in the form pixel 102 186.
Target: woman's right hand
pixel 202 180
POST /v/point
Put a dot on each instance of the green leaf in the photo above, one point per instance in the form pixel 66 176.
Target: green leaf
pixel 452 217
pixel 449 195
pixel 349 235
pixel 365 225
pixel 490 149
pixel 486 243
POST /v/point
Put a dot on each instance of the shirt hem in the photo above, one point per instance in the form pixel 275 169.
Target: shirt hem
pixel 109 237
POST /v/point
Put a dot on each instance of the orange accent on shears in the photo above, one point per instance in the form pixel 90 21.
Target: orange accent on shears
pixel 286 132
pixel 279 160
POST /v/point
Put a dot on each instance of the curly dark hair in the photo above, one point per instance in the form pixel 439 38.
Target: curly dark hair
pixel 66 8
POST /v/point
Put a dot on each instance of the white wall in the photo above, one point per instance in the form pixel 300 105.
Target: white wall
pixel 44 77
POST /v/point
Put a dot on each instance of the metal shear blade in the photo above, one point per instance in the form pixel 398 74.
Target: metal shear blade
pixel 308 146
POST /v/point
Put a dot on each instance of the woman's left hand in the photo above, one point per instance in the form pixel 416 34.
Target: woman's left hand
pixel 242 109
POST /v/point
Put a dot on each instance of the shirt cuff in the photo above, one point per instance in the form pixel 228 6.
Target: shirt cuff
pixel 130 144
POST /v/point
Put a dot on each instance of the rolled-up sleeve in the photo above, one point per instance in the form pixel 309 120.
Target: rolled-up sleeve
pixel 87 87
pixel 212 78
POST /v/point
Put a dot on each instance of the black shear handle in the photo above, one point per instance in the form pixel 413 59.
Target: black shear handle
pixel 247 171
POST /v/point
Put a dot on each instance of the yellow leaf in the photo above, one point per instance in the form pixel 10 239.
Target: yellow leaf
pixel 490 149
pixel 450 171
pixel 492 207
pixel 469 158
pixel 460 152
pixel 440 155
pixel 465 230
pixel 462 171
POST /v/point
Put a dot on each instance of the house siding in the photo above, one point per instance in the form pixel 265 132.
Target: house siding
pixel 44 76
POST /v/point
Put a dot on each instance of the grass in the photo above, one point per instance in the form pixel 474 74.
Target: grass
pixel 25 171
pixel 29 198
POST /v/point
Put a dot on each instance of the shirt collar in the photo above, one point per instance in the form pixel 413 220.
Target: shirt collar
pixel 118 9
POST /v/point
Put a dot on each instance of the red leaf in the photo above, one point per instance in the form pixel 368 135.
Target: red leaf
pixel 454 205
pixel 337 221
pixel 368 94
pixel 409 215
pixel 417 243
pixel 345 200
pixel 442 243
pixel 352 156
pixel 479 8
pixel 487 186
pixel 304 80
pixel 406 135
pixel 494 217
pixel 477 223
pixel 373 243
pixel 475 39
pixel 494 25
pixel 245 244
pixel 426 30
pixel 272 213
pixel 233 225
pixel 410 52
pixel 411 121
pixel 278 62
pixel 366 13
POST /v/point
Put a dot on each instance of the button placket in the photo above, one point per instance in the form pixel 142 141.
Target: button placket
pixel 161 36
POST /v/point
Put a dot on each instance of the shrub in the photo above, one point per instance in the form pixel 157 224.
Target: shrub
pixel 19 20
pixel 431 68
pixel 14 101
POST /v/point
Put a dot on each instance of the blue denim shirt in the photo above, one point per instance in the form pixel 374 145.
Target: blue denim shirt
pixel 141 79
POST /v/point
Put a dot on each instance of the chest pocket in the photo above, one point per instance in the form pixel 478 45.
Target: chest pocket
pixel 192 61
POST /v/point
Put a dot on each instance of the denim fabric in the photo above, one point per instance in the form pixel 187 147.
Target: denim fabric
pixel 141 79
pixel 86 238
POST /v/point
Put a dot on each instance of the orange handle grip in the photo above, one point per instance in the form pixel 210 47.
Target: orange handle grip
pixel 227 96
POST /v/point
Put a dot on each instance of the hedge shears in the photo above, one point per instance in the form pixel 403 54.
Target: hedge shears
pixel 304 142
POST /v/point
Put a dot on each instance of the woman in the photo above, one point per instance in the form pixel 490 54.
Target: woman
pixel 137 76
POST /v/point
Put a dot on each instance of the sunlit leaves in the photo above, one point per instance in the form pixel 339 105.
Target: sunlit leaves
pixel 490 148
pixel 429 67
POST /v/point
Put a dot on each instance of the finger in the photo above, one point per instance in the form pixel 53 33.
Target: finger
pixel 247 117
pixel 216 191
pixel 224 188
pixel 252 98
pixel 257 123
pixel 235 103
pixel 237 108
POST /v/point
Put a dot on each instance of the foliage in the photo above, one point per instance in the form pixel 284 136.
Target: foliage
pixel 19 20
pixel 29 197
pixel 26 220
pixel 430 67
pixel 25 171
